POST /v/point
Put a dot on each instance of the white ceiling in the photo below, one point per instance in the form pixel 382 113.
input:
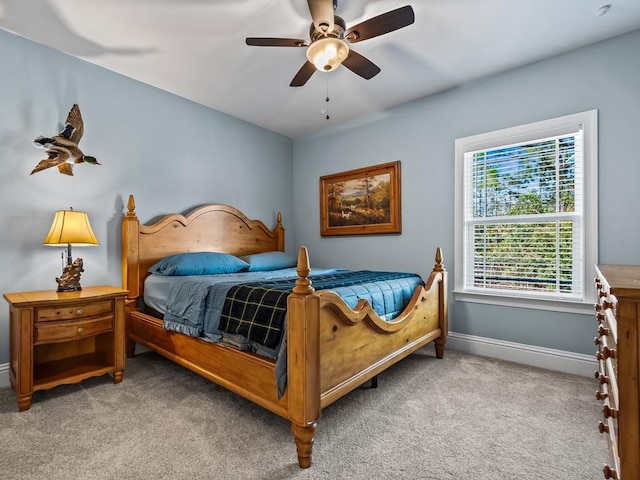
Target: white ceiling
pixel 196 48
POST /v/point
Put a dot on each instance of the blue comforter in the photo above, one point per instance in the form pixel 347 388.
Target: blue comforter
pixel 250 315
pixel 257 310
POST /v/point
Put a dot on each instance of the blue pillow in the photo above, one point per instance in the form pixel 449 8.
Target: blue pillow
pixel 260 262
pixel 198 263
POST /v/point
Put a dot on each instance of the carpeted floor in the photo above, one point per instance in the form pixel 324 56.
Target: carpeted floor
pixel 463 417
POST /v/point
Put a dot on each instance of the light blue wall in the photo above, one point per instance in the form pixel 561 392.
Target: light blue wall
pixel 173 154
pixel 170 153
pixel 421 134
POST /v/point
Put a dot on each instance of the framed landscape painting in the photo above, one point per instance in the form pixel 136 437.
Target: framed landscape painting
pixel 360 202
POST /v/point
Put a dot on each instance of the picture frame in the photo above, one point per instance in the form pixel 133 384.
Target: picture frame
pixel 365 201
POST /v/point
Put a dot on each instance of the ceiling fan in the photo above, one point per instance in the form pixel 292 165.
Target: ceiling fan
pixel 328 47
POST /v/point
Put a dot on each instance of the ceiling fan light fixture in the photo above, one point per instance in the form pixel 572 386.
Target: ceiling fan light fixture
pixel 327 53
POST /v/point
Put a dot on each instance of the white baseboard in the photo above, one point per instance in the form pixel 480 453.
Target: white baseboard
pixel 558 360
pixel 4 375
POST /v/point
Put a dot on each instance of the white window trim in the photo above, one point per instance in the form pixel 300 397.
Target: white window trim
pixel 519 134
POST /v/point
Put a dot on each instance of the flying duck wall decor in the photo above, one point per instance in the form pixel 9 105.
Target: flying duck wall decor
pixel 62 149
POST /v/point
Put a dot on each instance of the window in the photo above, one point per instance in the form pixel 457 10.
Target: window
pixel 526 214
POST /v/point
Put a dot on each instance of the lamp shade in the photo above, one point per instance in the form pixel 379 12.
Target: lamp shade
pixel 70 227
pixel 327 53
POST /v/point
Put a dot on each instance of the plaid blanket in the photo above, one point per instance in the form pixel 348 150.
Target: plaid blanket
pixel 257 310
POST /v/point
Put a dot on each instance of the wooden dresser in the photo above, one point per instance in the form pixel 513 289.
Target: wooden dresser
pixel 618 316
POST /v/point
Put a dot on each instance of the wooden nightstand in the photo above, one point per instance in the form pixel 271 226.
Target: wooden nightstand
pixel 57 338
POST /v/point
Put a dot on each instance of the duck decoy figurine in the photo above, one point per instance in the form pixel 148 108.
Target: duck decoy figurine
pixel 62 149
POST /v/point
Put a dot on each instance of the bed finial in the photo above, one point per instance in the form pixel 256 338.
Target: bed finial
pixel 303 284
pixel 131 206
pixel 279 231
pixel 438 267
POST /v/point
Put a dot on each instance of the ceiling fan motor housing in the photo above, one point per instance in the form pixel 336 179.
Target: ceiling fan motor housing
pixel 339 27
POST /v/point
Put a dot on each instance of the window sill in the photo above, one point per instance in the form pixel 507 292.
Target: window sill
pixel 581 308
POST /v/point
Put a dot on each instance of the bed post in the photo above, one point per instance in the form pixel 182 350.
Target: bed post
pixel 443 314
pixel 303 361
pixel 279 229
pixel 130 265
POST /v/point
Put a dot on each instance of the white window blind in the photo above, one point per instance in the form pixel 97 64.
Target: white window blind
pixel 521 225
pixel 522 202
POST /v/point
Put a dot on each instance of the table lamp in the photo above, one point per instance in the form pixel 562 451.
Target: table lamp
pixel 70 228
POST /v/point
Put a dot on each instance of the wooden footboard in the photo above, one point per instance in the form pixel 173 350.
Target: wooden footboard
pixel 333 349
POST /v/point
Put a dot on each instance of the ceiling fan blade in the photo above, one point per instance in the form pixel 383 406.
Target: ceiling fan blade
pixel 385 23
pixel 275 42
pixel 303 75
pixel 361 65
pixel 322 14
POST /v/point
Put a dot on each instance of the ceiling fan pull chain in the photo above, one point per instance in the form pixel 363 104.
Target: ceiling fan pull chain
pixel 327 99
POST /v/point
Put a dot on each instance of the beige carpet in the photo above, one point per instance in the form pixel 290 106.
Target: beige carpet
pixel 462 417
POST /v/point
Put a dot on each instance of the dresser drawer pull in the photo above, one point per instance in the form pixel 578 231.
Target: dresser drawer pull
pixel 597 341
pixel 600 317
pixel 609 472
pixel 601 378
pixel 608 352
pixel 609 412
pixel 80 330
pixel 605 353
pixel 601 395
pixel 603 428
pixel 603 331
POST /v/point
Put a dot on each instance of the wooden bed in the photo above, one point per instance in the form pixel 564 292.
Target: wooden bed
pixel 332 349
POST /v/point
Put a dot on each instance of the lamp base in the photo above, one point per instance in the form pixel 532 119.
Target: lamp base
pixel 69 281
pixel 68 289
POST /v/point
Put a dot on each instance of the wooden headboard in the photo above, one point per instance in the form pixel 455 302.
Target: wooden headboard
pixel 210 228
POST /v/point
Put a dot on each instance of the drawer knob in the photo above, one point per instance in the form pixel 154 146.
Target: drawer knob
pixel 605 353
pixel 603 428
pixel 609 412
pixel 609 472
pixel 597 341
pixel 601 378
pixel 608 352
pixel 601 395
pixel 603 331
pixel 80 330
pixel 600 317
pixel 79 311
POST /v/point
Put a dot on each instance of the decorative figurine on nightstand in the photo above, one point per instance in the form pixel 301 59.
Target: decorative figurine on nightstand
pixel 63 150
pixel 69 228
pixel 69 281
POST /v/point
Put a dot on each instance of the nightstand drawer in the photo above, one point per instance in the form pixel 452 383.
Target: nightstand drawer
pixel 70 330
pixel 74 311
